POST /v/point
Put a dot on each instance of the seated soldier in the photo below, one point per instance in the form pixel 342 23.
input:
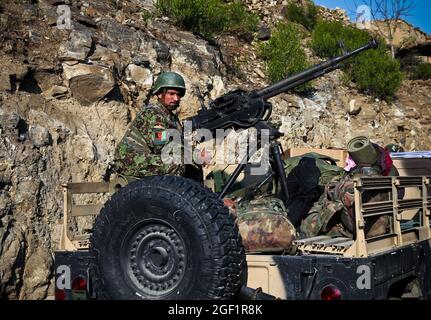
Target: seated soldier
pixel 334 214
pixel 139 153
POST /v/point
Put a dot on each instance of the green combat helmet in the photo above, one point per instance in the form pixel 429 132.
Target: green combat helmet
pixel 170 80
pixel 392 147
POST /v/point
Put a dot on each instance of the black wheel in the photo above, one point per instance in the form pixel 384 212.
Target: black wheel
pixel 166 237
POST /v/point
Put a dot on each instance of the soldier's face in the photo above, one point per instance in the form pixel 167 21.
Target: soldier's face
pixel 170 98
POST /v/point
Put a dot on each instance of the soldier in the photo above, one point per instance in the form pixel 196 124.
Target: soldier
pixel 139 152
pixel 333 214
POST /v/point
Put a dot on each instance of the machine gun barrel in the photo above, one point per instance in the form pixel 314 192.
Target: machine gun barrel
pixel 242 109
pixel 309 74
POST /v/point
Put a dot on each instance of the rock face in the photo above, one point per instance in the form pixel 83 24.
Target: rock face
pixel 67 96
pixel 4 82
pixel 405 36
pixel 338 14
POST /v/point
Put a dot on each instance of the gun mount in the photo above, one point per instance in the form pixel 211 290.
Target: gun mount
pixel 241 109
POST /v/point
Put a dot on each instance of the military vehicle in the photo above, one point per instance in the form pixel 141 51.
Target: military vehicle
pixel 165 237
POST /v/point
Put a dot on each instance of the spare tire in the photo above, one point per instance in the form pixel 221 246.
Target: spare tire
pixel 166 237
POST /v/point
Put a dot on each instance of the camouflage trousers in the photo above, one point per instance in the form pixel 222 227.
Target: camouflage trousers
pixel 334 213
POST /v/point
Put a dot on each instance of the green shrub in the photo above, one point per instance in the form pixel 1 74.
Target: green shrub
pixel 377 73
pixel 306 16
pixel 283 54
pixel 208 17
pixel 193 15
pixel 408 63
pixel 145 15
pixel 421 71
pixel 327 35
pixel 374 71
pixel 240 19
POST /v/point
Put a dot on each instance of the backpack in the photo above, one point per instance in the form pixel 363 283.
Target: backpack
pixel 326 165
pixel 263 225
pixel 307 176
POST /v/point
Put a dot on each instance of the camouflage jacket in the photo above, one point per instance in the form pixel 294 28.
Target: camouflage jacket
pixel 334 213
pixel 139 152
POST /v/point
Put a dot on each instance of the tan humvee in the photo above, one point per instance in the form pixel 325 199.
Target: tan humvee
pixel 406 243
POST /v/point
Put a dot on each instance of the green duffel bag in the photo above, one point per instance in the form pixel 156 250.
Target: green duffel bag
pixel 263 225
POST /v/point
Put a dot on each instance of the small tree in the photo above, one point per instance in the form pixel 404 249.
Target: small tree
pixel 389 12
pixel 376 73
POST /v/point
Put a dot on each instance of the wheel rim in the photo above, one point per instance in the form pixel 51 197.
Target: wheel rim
pixel 154 257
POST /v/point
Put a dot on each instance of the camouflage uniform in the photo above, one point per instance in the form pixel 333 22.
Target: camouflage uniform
pixel 139 152
pixel 334 213
pixel 325 217
pixel 263 224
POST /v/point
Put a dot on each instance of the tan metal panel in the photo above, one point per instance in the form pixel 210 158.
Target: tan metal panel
pixel 88 187
pixel 263 273
pixel 86 210
pixel 413 167
pixel 382 245
pixel 411 236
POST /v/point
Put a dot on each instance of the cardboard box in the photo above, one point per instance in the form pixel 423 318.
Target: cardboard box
pixel 339 155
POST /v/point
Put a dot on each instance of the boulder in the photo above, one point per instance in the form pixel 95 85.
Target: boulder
pixel 121 35
pixel 140 76
pixel 141 61
pixel 76 47
pixel 19 71
pixel 88 83
pixel 3 22
pixel 8 120
pixel 39 136
pixel 55 91
pixel 354 108
pixel 46 79
pixel 83 148
pixel 13 250
pixel 36 274
pixel 264 33
pixel 106 57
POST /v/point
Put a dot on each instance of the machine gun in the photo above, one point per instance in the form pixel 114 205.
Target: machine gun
pixel 242 109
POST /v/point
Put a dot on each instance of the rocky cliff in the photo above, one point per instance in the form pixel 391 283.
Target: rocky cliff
pixel 67 95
